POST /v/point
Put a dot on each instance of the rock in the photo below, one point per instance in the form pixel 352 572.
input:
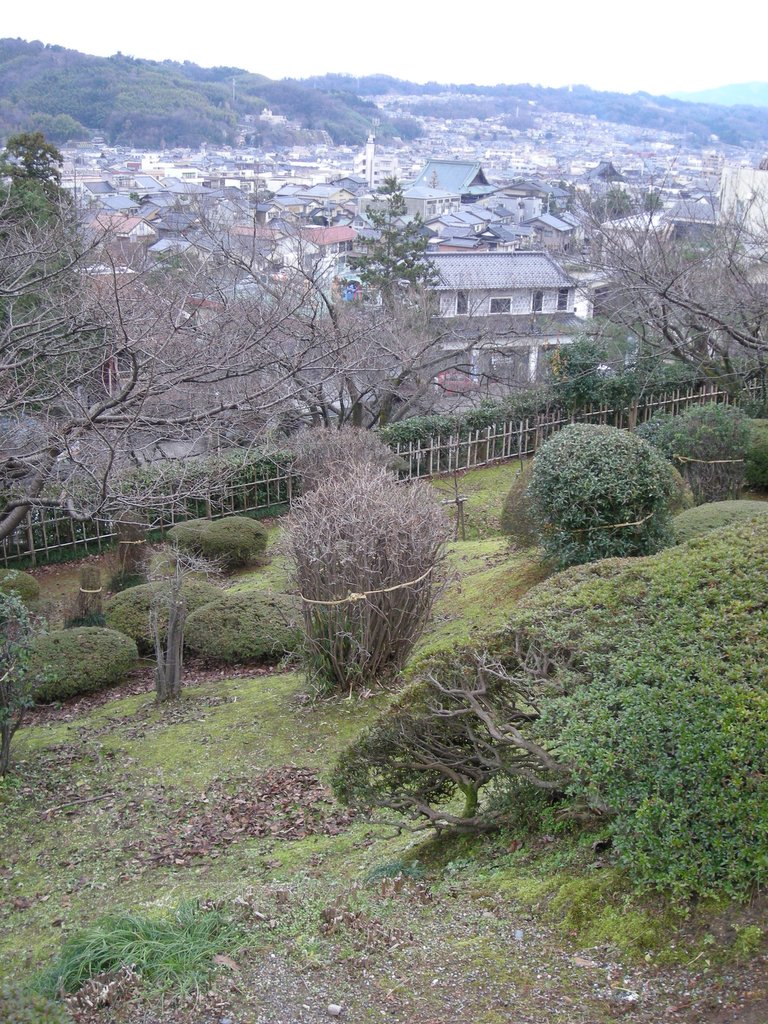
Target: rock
pixel 334 1010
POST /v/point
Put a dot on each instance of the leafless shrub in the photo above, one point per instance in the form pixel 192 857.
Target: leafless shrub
pixel 327 454
pixel 366 555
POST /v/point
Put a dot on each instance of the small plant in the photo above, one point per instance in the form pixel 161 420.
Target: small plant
pixel 171 948
pixel 599 492
pixel 251 626
pixel 13 581
pixel 231 543
pixel 67 662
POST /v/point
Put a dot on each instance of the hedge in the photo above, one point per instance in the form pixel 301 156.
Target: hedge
pixel 232 542
pixel 702 519
pixel 13 581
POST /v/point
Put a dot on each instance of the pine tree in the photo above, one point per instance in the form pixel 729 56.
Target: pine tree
pixel 397 259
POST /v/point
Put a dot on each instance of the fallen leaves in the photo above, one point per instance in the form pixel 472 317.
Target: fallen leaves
pixel 284 803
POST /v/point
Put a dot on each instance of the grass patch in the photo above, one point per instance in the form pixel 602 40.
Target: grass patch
pixel 167 948
pixel 485 490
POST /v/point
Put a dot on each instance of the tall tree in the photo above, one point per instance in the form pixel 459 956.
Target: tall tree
pixel 397 258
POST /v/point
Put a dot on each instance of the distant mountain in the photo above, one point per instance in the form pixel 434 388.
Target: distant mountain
pixel 132 102
pixel 749 93
pixel 738 126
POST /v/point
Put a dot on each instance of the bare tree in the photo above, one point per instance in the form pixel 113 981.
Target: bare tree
pixel 694 291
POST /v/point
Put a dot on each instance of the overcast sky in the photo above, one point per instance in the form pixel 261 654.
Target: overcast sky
pixel 654 45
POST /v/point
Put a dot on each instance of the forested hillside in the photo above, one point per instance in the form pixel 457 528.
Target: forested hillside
pixel 64 94
pixel 737 125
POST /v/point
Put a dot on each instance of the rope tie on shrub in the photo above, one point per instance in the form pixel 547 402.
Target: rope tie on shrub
pixel 131 542
pixel 706 462
pixel 617 526
pixel 353 596
pixel 84 591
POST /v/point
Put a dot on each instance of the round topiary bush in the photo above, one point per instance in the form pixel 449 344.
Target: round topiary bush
pixel 517 519
pixel 68 662
pixel 599 492
pixel 702 519
pixel 251 626
pixel 708 443
pixel 13 581
pixel 232 542
pixel 128 611
pixel 20 1005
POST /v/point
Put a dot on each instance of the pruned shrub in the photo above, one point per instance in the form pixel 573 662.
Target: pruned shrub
pixel 635 688
pixel 702 519
pixel 517 519
pixel 599 492
pixel 232 542
pixel 326 454
pixel 129 611
pixel 13 581
pixel 708 443
pixel 20 1005
pixel 67 662
pixel 251 626
pixel 756 464
pixel 365 557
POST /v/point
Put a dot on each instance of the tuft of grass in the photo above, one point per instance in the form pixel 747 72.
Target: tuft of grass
pixel 172 948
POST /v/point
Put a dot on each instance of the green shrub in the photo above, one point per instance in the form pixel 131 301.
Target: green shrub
pixel 598 492
pixel 13 581
pixel 664 710
pixel 251 626
pixel 232 542
pixel 128 611
pixel 709 445
pixel 517 519
pixel 703 518
pixel 68 662
pixel 19 1005
pixel 756 465
pixel 637 690
pixel 168 948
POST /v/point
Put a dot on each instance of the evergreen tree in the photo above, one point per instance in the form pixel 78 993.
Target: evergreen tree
pixel 398 257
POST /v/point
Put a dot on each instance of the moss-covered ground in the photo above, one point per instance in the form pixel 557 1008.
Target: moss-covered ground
pixel 133 806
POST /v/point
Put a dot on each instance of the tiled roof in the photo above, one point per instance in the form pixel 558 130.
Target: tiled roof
pixel 452 175
pixel 494 270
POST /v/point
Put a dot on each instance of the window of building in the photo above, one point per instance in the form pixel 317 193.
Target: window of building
pixel 537 301
pixel 500 305
pixel 562 298
pixel 462 303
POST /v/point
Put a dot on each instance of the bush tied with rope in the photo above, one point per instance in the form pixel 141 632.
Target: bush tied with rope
pixel 366 555
pixel 709 445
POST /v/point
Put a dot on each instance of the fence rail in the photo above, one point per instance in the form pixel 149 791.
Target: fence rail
pixel 49 534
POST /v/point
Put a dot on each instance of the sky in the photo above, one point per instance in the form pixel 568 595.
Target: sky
pixel 655 46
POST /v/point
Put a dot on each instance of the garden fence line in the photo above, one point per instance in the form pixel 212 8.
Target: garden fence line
pixel 51 534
